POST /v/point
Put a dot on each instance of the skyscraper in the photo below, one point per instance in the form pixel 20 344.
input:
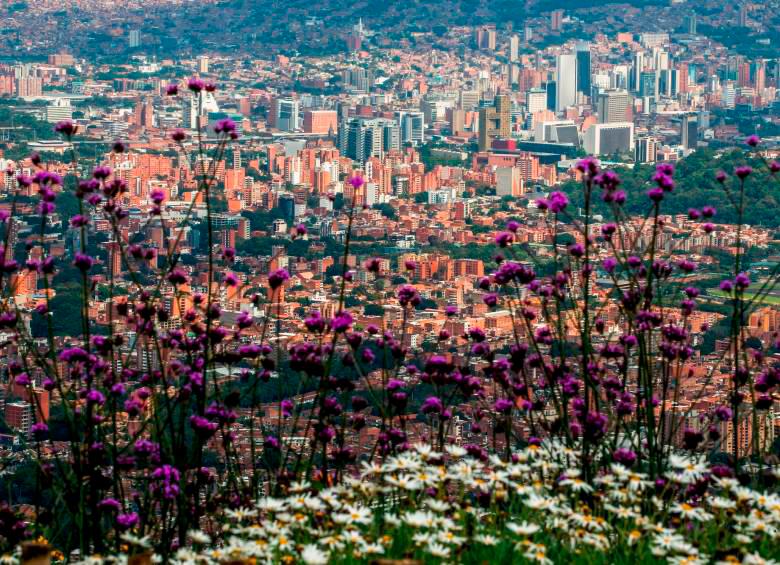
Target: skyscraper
pixel 645 149
pixel 362 138
pixel 514 47
pixel 134 38
pixel 613 106
pixel 689 131
pixel 690 23
pixel 556 20
pixel 412 126
pixel 494 122
pixel 566 82
pixel 609 139
pixel 583 68
pixel 286 114
pixel 535 100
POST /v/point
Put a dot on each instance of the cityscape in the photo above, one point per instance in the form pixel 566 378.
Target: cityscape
pixel 240 236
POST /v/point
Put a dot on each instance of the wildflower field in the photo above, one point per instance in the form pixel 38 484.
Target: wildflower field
pixel 584 455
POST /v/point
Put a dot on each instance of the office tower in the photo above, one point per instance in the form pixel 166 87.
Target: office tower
pixel 637 68
pixel 514 47
pixel 556 20
pixel 457 120
pixel 59 110
pixel 203 64
pixel 690 23
pixel 668 82
pixel 412 125
pixel 357 79
pixel 320 121
pixel 509 181
pixel 469 100
pixel 528 33
pixel 759 76
pixel 743 15
pixel 286 112
pixel 361 138
pixel 391 136
pixel 551 88
pixel 728 94
pixel 485 38
pixel 196 106
pixel 613 106
pixel 609 139
pixel 29 86
pixel 689 131
pixel 558 131
pixel 494 122
pixel 645 149
pixel 648 82
pixel 566 82
pixel 134 38
pixel 583 68
pixel 535 100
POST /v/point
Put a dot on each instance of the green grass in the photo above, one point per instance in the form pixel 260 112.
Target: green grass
pixel 771 300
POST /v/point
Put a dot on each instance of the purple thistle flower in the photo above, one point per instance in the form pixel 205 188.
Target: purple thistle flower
pixel 656 194
pixel 178 135
pixel 171 89
pixel 432 405
pixel 195 84
pixel 66 128
pixel 277 278
pixel 721 176
pixel 127 521
pixel 504 238
pixel 753 141
pixel 490 299
pixel 743 172
pixel 82 262
pixel 708 211
pixel 341 322
pixel 356 181
pixel 503 406
pixel 558 202
pixel 774 167
pixel 407 294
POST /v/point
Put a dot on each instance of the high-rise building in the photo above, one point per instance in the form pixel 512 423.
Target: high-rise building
pixel 361 138
pixel 59 110
pixel 514 47
pixel 286 114
pixel 320 121
pixel 613 106
pixel 558 131
pixel 566 81
pixel 134 38
pixel 485 38
pixel 689 131
pixel 494 122
pixel 29 86
pixel 583 68
pixel 357 79
pixel 528 33
pixel 556 20
pixel 637 68
pixel 690 23
pixel 609 139
pixel 197 106
pixel 744 11
pixel 509 181
pixel 469 99
pixel 648 84
pixel 412 126
pixel 203 64
pixel 551 87
pixel 645 149
pixel 535 100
